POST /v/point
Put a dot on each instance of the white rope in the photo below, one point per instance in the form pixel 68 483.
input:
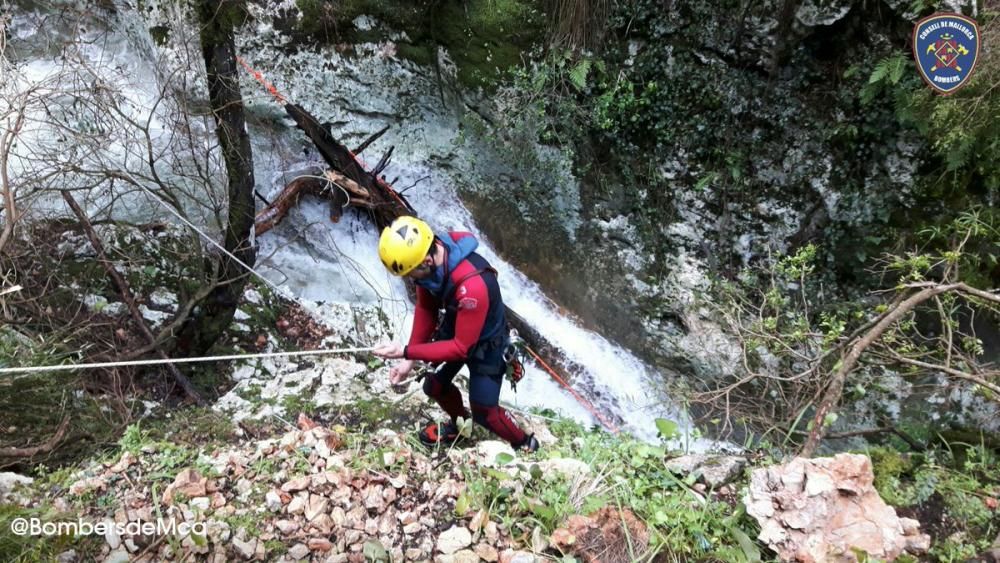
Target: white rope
pixel 37 369
pixel 202 233
pixel 347 196
pixel 11 290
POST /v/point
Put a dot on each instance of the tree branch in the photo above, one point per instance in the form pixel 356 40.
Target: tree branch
pixel 945 369
pixel 848 362
pixel 126 293
pixel 42 448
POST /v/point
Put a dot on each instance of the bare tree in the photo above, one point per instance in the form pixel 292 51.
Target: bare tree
pixel 219 51
pixel 131 138
pixel 800 354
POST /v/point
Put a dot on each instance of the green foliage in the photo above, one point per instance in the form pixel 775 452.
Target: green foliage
pixel 133 439
pixel 942 480
pixel 886 74
pixel 667 428
pixel 373 411
pixel 482 37
pixel 628 474
pixel 578 74
pixel 798 265
pixel 191 426
pixel 296 403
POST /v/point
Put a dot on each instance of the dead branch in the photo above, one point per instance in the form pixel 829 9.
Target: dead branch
pixel 917 446
pixel 945 369
pixel 6 142
pixel 126 294
pixel 43 448
pixel 347 184
pixel 375 136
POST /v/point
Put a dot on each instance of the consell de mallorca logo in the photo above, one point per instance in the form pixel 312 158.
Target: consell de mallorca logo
pixel 946 47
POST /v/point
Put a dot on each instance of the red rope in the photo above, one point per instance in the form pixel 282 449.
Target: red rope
pixel 260 78
pixel 581 399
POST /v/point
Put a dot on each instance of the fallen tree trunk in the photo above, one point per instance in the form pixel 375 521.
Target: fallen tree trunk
pixel 383 203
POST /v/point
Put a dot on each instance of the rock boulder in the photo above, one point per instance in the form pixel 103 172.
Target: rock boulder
pixel 823 509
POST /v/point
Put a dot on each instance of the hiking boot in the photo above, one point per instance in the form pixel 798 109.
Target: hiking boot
pixel 529 445
pixel 434 433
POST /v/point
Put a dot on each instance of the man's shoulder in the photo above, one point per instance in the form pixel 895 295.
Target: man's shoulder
pixel 468 275
pixel 459 235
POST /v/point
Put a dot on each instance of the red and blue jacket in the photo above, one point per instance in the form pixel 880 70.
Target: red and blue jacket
pixel 473 323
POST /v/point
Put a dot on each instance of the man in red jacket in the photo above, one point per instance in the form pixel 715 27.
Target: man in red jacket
pixel 451 277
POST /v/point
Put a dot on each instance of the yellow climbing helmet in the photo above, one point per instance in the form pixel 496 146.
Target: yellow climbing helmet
pixel 404 244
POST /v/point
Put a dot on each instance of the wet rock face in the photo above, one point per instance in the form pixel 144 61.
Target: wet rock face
pixel 822 12
pixel 823 509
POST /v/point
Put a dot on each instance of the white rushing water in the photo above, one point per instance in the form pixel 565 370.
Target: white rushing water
pixel 322 261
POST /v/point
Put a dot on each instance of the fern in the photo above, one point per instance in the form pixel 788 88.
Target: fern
pixel 578 75
pixel 881 69
pixel 897 68
pixel 887 72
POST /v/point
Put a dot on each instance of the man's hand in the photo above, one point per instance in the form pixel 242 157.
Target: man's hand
pixel 389 350
pixel 399 372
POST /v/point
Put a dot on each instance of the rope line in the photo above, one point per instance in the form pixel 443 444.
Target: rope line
pixel 260 78
pixel 36 369
pixel 204 235
pixel 580 398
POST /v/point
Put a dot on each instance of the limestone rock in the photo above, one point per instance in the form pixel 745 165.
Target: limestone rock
pixel 487 451
pixel 819 509
pixel 714 471
pixel 287 527
pixel 564 466
pixel 80 487
pixel 124 463
pixel 299 551
pixel 319 544
pixel 464 556
pixel 317 505
pixel 454 539
pixel 511 556
pixel 721 470
pixel 297 484
pixel 189 483
pixel 812 13
pixel 245 549
pixel 486 552
pixel 117 556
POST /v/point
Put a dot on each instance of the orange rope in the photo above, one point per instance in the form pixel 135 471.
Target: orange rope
pixel 581 399
pixel 260 78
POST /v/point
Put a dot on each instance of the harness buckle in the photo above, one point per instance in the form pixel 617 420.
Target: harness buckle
pixel 513 358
